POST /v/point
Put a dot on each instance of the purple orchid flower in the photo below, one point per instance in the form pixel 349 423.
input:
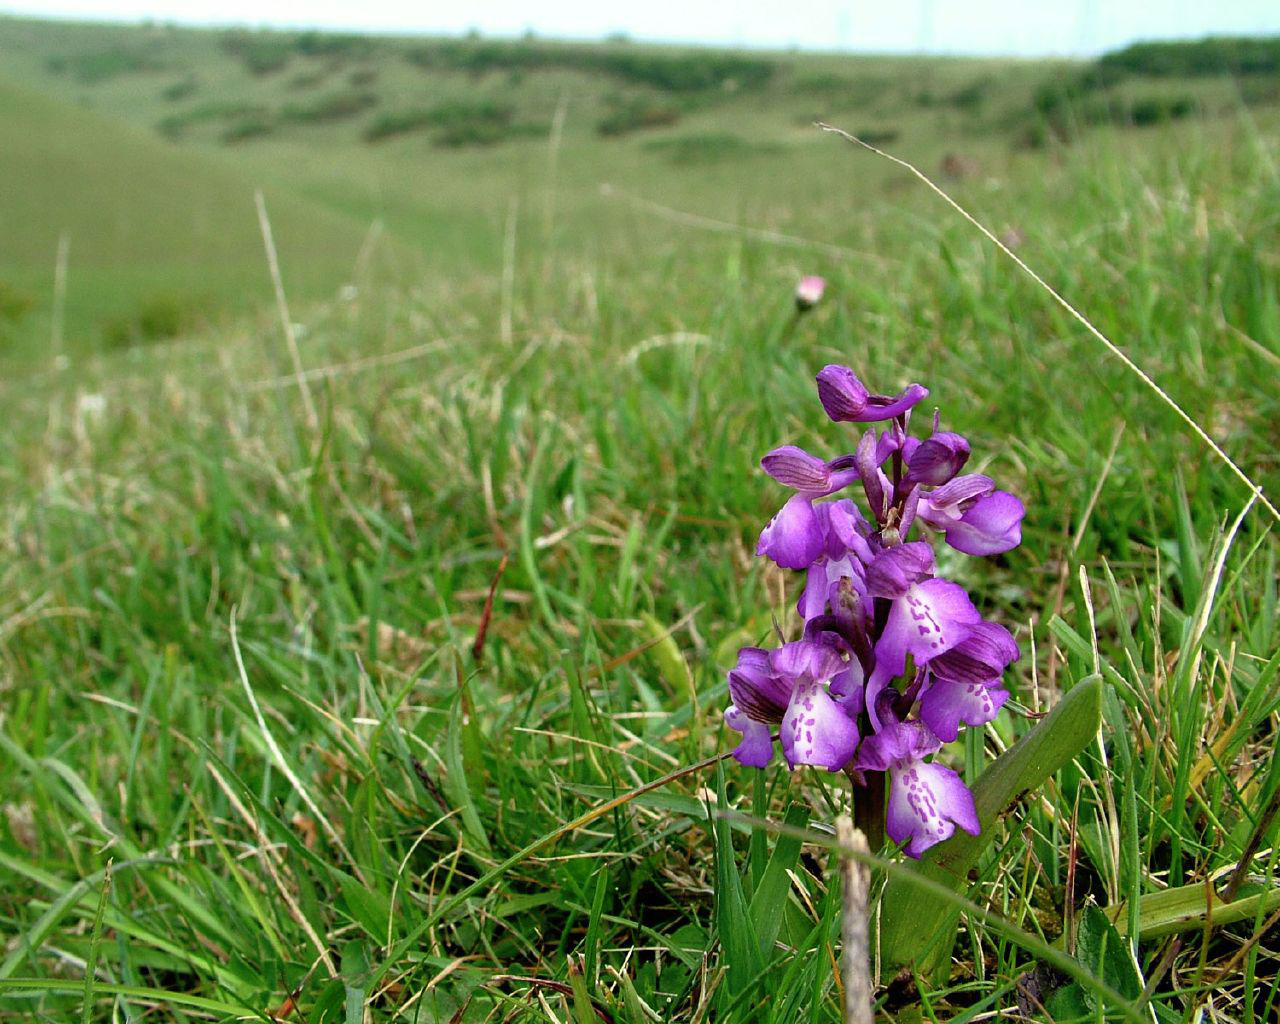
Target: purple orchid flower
pixel 847 400
pixel 937 460
pixel 927 617
pixel 795 538
pixel 788 687
pixel 926 800
pixel 815 729
pixel 760 699
pixel 976 518
pixel 847 551
pixel 964 684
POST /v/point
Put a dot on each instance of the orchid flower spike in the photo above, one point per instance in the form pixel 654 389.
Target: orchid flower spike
pixel 894 661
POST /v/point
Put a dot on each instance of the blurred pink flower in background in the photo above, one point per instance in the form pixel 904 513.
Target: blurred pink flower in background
pixel 809 291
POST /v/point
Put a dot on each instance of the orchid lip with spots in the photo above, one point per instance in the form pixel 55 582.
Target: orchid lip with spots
pixel 895 660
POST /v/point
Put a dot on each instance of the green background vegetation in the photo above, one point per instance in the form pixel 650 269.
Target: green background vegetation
pixel 543 296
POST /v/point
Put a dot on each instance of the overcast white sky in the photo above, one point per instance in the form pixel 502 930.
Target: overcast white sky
pixel 1068 27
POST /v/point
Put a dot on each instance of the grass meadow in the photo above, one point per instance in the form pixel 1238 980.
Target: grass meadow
pixel 259 760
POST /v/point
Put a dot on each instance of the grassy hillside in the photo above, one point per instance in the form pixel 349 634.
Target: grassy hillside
pixel 427 143
pixel 253 767
pixel 431 140
pixel 161 241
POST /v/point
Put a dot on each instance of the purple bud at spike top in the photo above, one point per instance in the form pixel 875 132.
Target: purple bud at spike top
pixel 886 407
pixel 809 292
pixel 843 396
pixel 847 400
pixel 938 459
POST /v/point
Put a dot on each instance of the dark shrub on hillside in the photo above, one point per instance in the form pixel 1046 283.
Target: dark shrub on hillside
pixel 337 106
pixel 636 114
pixel 265 59
pixel 481 133
pixel 252 126
pixel 686 73
pixel 670 72
pixel 1064 91
pixel 825 83
pixel 970 96
pixel 475 55
pixel 332 44
pixel 710 148
pixel 157 319
pixel 393 123
pixel 460 123
pixel 1157 109
pixel 1068 98
pixel 95 66
pixel 397 122
pixel 1064 118
pixel 262 52
pixel 470 133
pixel 14 304
pixel 180 89
pixel 175 125
pixel 477 123
pixel 308 79
pixel 1215 55
pixel 857 90
pixel 458 112
pixel 362 77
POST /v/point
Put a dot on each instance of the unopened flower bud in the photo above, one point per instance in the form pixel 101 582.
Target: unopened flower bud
pixel 847 400
pixel 843 396
pixel 809 292
pixel 938 460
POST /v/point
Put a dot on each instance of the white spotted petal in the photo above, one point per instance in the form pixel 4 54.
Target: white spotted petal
pixel 926 803
pixel 816 730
